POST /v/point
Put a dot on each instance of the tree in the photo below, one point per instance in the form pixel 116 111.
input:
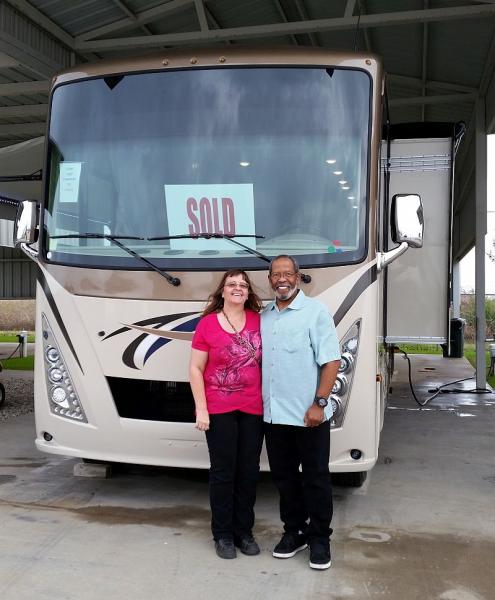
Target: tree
pixel 468 312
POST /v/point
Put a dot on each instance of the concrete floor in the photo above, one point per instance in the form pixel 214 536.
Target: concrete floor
pixel 422 526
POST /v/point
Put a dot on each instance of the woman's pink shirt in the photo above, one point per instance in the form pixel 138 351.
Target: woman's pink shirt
pixel 232 374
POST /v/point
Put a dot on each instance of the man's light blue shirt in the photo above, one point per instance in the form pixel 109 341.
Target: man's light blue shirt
pixel 297 341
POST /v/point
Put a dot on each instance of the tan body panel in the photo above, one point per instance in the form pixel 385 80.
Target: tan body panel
pixel 94 302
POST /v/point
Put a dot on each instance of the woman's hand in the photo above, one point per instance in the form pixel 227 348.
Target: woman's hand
pixel 202 420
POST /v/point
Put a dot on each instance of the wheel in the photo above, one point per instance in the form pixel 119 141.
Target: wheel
pixel 354 479
pixel 2 394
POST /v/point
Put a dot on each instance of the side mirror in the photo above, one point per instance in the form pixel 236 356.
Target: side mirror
pixel 407 220
pixel 26 221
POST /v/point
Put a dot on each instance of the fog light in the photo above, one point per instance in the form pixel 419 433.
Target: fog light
pixel 48 437
pixel 59 395
pixel 356 454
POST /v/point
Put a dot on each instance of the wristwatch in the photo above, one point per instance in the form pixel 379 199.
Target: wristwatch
pixel 321 402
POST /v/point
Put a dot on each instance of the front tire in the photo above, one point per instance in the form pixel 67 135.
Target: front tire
pixel 2 394
pixel 354 479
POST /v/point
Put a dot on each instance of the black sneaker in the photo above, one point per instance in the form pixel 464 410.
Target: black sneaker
pixel 290 544
pixel 319 554
pixel 225 548
pixel 247 545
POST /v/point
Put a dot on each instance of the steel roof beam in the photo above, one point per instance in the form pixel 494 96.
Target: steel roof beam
pixel 430 83
pixel 24 88
pixel 366 34
pixel 23 110
pixel 442 99
pixel 486 78
pixel 146 16
pixel 214 22
pixel 201 14
pixel 280 29
pixel 31 59
pixel 281 12
pixel 30 129
pixel 303 13
pixel 32 13
pixel 424 62
pixel 349 8
pixel 131 15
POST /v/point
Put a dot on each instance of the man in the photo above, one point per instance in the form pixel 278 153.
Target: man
pixel 301 357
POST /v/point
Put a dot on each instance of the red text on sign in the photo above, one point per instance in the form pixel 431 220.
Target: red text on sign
pixel 206 216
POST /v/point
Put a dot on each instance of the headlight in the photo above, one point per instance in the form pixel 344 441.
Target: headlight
pixel 349 346
pixel 55 375
pixel 340 385
pixel 346 362
pixel 52 354
pixel 62 396
pixel 336 405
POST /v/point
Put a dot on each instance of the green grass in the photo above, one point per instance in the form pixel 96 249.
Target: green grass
pixel 11 337
pixel 421 348
pixel 19 364
pixel 470 354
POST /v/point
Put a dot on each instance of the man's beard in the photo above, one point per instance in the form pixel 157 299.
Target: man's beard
pixel 285 295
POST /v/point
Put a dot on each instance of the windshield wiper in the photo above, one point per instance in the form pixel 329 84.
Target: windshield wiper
pixel 115 239
pixel 224 236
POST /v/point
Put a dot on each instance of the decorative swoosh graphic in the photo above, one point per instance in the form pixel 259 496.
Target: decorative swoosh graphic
pixel 137 353
pixel 171 335
pixel 366 279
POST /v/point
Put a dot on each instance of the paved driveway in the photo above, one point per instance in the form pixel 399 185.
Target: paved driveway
pixel 422 526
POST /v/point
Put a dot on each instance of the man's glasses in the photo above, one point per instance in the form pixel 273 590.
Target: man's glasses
pixel 232 286
pixel 286 275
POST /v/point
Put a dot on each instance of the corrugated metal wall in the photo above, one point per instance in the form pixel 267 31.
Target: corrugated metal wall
pixel 17 274
pixel 18 28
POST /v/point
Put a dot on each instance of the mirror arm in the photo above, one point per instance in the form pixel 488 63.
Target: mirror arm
pixel 31 252
pixel 383 259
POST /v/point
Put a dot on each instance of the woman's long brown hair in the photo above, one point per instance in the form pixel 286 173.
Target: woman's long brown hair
pixel 215 301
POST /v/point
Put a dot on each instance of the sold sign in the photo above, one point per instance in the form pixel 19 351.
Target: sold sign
pixel 222 209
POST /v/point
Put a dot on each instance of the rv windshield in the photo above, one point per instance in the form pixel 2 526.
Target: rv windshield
pixel 275 152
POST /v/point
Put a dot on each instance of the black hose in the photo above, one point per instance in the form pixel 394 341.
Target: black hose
pixel 440 389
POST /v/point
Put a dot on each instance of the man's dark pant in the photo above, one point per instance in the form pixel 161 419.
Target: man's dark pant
pixel 307 494
pixel 234 442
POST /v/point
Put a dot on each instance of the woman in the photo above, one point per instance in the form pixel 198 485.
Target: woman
pixel 225 376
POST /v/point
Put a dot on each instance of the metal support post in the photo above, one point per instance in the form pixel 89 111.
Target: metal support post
pixel 481 207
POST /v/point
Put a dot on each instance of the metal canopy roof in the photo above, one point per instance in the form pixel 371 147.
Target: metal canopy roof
pixel 439 54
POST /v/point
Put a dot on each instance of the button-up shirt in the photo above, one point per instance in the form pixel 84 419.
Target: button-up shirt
pixel 297 341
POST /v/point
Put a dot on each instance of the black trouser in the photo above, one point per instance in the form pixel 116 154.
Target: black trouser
pixel 307 494
pixel 234 442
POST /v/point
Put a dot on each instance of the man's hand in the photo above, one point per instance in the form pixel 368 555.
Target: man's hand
pixel 314 416
pixel 202 420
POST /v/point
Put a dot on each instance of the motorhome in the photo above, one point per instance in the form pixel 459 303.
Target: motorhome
pixel 163 172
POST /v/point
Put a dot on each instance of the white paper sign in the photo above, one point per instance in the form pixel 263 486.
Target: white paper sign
pixel 195 209
pixel 70 175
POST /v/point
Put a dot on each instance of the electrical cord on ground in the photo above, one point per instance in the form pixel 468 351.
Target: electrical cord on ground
pixel 17 348
pixel 440 390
